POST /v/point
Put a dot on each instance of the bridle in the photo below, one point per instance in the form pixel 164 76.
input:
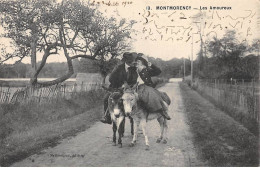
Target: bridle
pixel 115 93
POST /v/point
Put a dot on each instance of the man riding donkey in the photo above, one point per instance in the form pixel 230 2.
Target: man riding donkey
pixel 117 79
pixel 136 68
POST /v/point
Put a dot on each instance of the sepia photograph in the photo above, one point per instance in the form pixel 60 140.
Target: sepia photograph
pixel 129 83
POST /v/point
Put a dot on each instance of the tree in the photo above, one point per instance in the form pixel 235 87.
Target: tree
pixel 215 47
pixel 227 58
pixel 255 47
pixel 250 66
pixel 88 66
pixel 226 46
pixel 42 28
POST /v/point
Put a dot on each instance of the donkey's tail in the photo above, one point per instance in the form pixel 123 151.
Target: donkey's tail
pixel 166 98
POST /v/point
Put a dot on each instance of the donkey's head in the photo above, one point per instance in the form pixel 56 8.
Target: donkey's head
pixel 115 104
pixel 130 98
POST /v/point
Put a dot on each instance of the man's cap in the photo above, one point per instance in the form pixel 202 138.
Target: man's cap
pixel 129 57
pixel 140 54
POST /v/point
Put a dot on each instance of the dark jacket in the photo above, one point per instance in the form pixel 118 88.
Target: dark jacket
pixel 118 76
pixel 146 75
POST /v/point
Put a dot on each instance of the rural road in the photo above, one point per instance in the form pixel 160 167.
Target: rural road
pixel 93 147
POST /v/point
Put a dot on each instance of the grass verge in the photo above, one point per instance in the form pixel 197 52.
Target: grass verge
pixel 220 140
pixel 27 129
pixel 240 115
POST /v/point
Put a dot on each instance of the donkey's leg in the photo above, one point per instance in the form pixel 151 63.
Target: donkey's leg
pixel 132 125
pixel 161 122
pixel 121 132
pixel 123 127
pixel 143 124
pixel 165 135
pixel 136 125
pixel 114 133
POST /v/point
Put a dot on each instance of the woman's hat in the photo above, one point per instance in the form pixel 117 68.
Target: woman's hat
pixel 143 58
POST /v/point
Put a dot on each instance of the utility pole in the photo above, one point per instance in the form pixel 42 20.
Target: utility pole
pixel 201 45
pixel 180 72
pixel 192 56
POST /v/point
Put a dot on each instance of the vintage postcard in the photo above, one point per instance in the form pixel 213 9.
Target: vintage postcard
pixel 129 83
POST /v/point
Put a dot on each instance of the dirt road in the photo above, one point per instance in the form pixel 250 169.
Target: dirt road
pixel 93 147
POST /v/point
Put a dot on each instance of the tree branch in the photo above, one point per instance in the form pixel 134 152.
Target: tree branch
pixel 1 62
pixel 43 62
pixel 74 37
pixel 83 56
pixel 69 62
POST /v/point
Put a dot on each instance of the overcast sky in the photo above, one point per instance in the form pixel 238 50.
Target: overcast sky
pixel 167 34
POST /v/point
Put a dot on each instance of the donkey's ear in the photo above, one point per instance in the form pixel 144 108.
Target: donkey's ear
pixel 135 87
pixel 125 85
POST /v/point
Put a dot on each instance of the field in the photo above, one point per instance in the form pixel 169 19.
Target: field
pixel 26 129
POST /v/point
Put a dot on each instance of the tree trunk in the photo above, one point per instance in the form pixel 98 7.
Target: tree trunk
pixel 33 79
pixel 69 63
pixel 56 81
pixel 104 79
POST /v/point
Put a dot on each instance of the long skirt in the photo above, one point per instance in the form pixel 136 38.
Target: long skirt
pixel 152 99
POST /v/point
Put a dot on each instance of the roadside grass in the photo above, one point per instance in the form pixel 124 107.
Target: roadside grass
pixel 239 115
pixel 219 139
pixel 27 129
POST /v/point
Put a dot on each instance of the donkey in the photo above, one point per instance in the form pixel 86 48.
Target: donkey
pixel 140 115
pixel 116 110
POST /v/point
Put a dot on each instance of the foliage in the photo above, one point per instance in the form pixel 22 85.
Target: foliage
pixel 103 67
pixel 171 68
pixel 42 28
pixel 229 58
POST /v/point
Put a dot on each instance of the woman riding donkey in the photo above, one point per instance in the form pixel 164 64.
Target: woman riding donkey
pixel 152 99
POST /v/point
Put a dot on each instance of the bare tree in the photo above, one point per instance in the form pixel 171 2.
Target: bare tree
pixel 42 28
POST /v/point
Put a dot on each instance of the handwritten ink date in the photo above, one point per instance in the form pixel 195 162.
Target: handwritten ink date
pixel 110 3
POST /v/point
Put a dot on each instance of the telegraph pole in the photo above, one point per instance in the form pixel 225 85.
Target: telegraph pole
pixel 199 32
pixel 192 56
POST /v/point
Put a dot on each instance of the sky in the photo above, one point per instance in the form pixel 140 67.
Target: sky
pixel 168 34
